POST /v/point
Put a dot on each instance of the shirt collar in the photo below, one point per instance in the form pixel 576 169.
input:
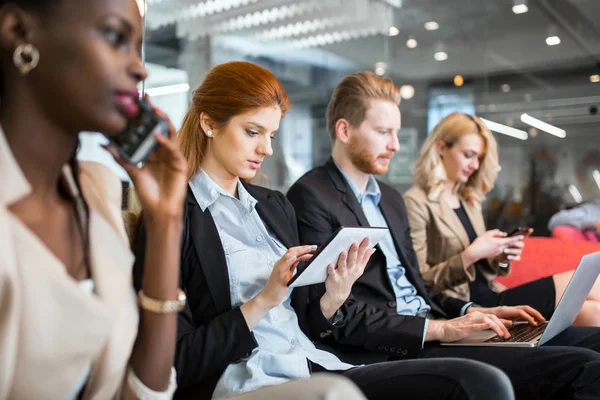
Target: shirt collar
pixel 372 189
pixel 207 192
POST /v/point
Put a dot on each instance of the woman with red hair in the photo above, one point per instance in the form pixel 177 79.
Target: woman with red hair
pixel 242 329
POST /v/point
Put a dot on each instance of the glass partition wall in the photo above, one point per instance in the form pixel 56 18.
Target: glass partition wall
pixel 528 65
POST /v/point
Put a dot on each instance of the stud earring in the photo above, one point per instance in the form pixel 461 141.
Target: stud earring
pixel 26 57
pixel 209 133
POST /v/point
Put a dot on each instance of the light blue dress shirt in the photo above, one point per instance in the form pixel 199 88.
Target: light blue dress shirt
pixel 408 302
pixel 251 252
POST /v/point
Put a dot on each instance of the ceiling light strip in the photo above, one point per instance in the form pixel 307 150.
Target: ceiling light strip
pixel 543 126
pixel 505 130
pixel 596 176
pixel 575 193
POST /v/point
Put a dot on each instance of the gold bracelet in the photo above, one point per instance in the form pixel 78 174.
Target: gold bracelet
pixel 162 306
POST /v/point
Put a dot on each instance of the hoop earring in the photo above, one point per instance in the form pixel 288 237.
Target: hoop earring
pixel 26 57
pixel 209 133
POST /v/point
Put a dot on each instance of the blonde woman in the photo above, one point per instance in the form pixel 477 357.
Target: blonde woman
pixel 457 167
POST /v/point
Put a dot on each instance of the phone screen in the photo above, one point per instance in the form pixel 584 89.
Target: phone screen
pixel 136 142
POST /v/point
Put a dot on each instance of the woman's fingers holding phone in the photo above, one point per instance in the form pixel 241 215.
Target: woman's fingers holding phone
pixel 511 241
pixel 129 168
pixel 495 233
pixel 172 132
pixel 168 144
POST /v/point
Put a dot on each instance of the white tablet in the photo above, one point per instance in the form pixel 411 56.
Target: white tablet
pixel 316 270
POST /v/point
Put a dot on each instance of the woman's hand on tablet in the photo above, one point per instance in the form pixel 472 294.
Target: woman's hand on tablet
pixel 276 288
pixel 340 278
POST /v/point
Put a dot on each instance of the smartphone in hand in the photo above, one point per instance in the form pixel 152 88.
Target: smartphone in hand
pixel 136 142
pixel 520 231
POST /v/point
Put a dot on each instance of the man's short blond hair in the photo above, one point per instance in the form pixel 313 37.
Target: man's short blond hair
pixel 350 99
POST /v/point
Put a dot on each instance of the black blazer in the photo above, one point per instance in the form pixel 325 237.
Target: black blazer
pixel 324 201
pixel 211 334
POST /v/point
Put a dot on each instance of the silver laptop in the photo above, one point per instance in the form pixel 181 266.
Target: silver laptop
pixel 525 335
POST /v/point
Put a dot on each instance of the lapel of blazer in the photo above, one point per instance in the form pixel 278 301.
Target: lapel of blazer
pixel 103 327
pixel 111 266
pixel 209 249
pixel 271 213
pixel 111 269
pixel 8 257
pixel 396 226
pixel 110 256
pixel 449 217
pixel 399 231
pixel 347 196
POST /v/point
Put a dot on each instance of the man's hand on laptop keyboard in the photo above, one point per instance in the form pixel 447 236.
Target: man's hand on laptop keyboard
pixel 516 313
pixel 461 327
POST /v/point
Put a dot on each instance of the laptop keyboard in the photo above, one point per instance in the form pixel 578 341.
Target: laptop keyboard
pixel 520 333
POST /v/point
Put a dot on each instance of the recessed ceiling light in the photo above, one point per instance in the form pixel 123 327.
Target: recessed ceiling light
pixel 411 43
pixel 505 88
pixel 407 92
pixel 440 56
pixel 393 31
pixel 552 40
pixel 533 132
pixel 432 26
pixel 520 6
pixel 380 68
pixel 594 78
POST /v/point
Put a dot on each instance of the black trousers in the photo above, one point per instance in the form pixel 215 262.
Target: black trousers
pixel 567 367
pixel 429 379
pixel 539 294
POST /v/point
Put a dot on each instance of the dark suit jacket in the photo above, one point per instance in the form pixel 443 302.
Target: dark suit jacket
pixel 324 201
pixel 211 334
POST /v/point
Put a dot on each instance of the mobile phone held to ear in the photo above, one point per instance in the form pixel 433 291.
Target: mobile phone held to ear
pixel 136 142
pixel 519 231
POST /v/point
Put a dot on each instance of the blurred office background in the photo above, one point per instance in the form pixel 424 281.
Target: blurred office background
pixel 498 59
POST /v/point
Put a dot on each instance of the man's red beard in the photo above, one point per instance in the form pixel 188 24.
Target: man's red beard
pixel 364 160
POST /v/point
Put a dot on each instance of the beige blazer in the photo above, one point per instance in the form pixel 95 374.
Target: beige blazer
pixel 51 330
pixel 439 238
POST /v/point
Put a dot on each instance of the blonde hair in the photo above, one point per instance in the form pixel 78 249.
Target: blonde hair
pixel 350 99
pixel 430 174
